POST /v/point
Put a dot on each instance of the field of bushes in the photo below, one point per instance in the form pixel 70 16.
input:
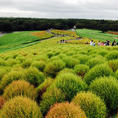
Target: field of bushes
pixel 58 80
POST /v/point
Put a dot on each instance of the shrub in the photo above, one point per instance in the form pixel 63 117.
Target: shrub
pixel 20 107
pixel 53 67
pixel 19 88
pixel 83 59
pixel 81 69
pixel 95 61
pixel 10 62
pixel 49 98
pixel 93 106
pixel 43 87
pixel 97 71
pixel 65 110
pixel 40 65
pixel 2 101
pixel 10 77
pixel 70 84
pixel 112 55
pixel 107 89
pixel 70 62
pixel 27 63
pixel 117 74
pixel 34 76
pixel 66 70
pixel 3 71
pixel 113 64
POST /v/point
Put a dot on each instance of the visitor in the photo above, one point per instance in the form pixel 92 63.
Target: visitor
pixel 107 43
pixel 114 43
pixel 99 43
pixel 91 42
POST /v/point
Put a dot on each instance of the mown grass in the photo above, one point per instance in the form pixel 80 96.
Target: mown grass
pixel 96 34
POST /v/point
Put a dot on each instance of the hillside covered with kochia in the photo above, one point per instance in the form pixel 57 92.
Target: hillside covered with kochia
pixel 50 79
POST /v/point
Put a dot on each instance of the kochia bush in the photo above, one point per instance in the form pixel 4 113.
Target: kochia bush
pixel 69 84
pixel 20 88
pixel 107 89
pixel 112 55
pixel 2 101
pixel 20 107
pixel 93 106
pixel 65 110
pixel 113 64
pixel 97 71
pixel 49 98
pixel 81 69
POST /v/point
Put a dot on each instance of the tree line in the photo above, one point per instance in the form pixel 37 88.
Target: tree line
pixel 29 24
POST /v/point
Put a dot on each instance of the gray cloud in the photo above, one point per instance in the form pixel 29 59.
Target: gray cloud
pixel 97 9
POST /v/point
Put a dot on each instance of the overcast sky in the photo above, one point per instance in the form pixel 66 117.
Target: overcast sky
pixel 97 9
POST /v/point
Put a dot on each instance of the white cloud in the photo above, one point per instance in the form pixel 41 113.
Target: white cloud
pixel 97 9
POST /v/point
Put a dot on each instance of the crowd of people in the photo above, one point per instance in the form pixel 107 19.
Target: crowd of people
pixel 107 43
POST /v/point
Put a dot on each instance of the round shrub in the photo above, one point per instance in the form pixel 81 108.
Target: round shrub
pixel 10 77
pixel 10 62
pixel 65 110
pixel 27 63
pixel 69 84
pixel 83 59
pixel 2 101
pixel 95 61
pixel 66 70
pixel 34 76
pixel 70 62
pixel 81 69
pixel 107 89
pixel 40 65
pixel 112 55
pixel 113 64
pixel 19 88
pixel 54 67
pixel 43 87
pixel 20 107
pixel 93 106
pixel 49 98
pixel 97 71
pixel 117 74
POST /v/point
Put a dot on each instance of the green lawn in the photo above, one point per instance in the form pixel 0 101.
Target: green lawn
pixel 16 40
pixel 96 34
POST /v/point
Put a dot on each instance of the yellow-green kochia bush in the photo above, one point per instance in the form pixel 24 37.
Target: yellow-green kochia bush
pixel 107 89
pixel 81 69
pixel 2 101
pixel 52 68
pixel 113 64
pixel 10 77
pixel 20 88
pixel 97 71
pixel 112 55
pixel 20 107
pixel 34 76
pixel 41 89
pixel 65 110
pixel 116 74
pixel 49 98
pixel 40 65
pixel 70 84
pixel 93 106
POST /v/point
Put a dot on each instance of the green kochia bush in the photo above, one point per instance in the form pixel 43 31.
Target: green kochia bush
pixel 69 84
pixel 41 89
pixel 40 65
pixel 34 76
pixel 49 98
pixel 93 106
pixel 54 67
pixel 117 74
pixel 97 71
pixel 70 62
pixel 112 55
pixel 19 88
pixel 81 69
pixel 20 107
pixel 107 89
pixel 95 61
